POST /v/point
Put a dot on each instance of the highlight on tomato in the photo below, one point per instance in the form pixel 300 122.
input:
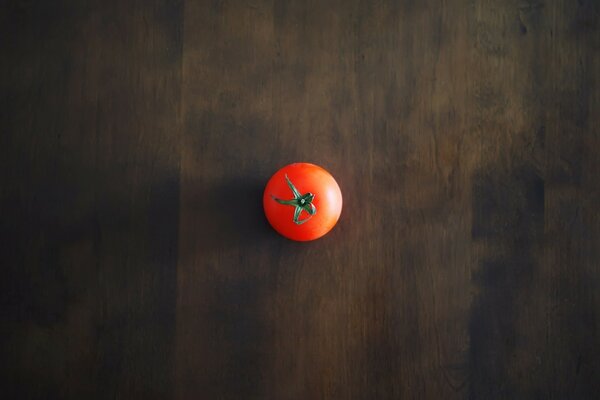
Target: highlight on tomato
pixel 302 201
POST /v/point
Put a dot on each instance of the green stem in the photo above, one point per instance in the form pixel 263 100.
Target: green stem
pixel 300 202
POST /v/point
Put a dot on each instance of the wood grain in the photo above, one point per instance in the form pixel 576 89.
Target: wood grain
pixel 137 261
pixel 90 198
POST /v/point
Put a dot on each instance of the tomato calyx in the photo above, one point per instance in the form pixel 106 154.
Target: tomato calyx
pixel 301 202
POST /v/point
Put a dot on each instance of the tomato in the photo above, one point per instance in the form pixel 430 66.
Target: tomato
pixel 302 201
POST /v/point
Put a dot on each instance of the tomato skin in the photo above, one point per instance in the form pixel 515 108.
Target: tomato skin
pixel 306 178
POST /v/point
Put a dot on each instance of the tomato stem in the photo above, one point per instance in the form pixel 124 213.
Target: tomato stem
pixel 300 202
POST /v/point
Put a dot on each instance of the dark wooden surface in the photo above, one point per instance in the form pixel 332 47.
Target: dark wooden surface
pixel 136 138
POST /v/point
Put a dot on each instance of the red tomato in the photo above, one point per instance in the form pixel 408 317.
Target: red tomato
pixel 302 201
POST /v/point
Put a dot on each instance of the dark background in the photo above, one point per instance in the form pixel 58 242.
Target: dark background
pixel 136 138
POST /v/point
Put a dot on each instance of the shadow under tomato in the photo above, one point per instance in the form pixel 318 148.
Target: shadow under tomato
pixel 226 252
pixel 230 214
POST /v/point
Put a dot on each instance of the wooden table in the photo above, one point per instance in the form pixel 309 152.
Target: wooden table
pixel 136 138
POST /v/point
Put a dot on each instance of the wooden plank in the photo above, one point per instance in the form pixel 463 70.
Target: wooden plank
pixel 89 198
pixel 534 224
